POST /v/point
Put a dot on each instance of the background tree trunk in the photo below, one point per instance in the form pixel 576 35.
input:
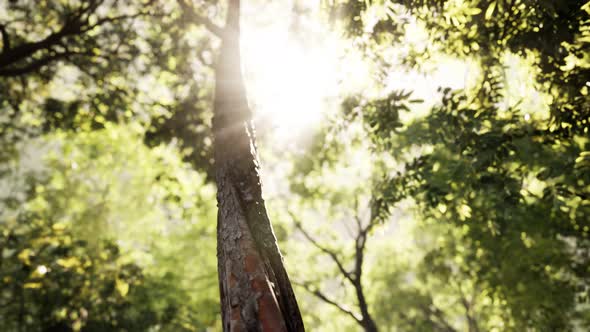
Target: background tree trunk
pixel 256 294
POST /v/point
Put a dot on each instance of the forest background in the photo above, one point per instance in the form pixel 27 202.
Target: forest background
pixel 426 164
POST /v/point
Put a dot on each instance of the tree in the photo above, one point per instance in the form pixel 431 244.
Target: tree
pixel 82 251
pixel 401 273
pixel 103 39
pixel 508 172
pixel 256 294
pixel 462 209
pixel 101 45
pixel 353 276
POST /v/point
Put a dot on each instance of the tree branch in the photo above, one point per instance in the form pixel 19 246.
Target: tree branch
pixel 440 318
pixel 325 250
pixel 71 27
pixel 359 257
pixel 37 64
pixel 355 278
pixel 5 38
pixel 317 293
pixel 75 24
pixel 117 18
pixel 467 305
pixel 191 14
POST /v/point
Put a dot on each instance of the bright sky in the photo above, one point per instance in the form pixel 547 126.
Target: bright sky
pixel 294 79
pixel 293 76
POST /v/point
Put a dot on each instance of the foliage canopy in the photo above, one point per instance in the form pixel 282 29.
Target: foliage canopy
pixel 466 208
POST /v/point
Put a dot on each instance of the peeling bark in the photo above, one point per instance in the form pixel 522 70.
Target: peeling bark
pixel 256 294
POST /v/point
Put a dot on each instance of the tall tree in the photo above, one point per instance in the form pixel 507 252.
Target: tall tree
pixel 256 294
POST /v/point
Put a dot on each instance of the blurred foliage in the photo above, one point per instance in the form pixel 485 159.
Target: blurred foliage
pixel 499 186
pixel 464 210
pixel 100 235
pixel 116 61
pixel 53 282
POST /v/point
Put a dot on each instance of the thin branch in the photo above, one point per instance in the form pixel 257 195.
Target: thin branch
pixel 92 5
pixel 74 25
pixel 317 293
pixel 118 18
pixel 71 27
pixel 191 13
pixel 467 305
pixel 440 318
pixel 359 222
pixel 471 322
pixel 348 229
pixel 405 317
pixel 356 214
pixel 325 250
pixel 5 38
pixel 355 278
pixel 37 64
pixel 360 244
pixel 361 241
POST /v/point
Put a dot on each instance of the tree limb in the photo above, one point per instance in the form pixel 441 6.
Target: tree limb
pixel 72 26
pixel 440 318
pixel 5 38
pixel 191 13
pixel 325 250
pixel 37 64
pixel 317 293
pixel 75 24
pixel 117 18
pixel 467 305
pixel 359 255
pixel 355 278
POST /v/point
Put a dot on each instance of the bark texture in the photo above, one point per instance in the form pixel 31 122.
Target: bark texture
pixel 256 294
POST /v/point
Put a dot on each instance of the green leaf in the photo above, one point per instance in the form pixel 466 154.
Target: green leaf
pixel 122 287
pixel 490 10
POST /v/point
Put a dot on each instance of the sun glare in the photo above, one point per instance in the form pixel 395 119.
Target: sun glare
pixel 292 78
pixel 287 82
pixel 295 78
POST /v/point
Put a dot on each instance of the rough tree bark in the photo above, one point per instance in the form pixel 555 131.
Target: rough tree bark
pixel 256 294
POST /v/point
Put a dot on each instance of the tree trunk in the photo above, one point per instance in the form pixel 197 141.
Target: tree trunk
pixel 256 294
